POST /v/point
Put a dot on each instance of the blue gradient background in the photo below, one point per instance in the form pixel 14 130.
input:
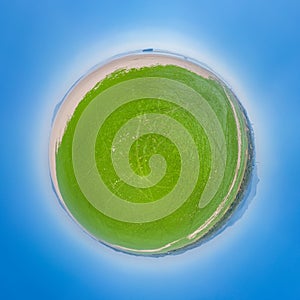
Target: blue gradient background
pixel 46 46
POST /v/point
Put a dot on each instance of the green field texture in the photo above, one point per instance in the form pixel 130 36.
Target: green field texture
pixel 180 224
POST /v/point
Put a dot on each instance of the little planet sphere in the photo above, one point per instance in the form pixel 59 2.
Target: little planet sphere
pixel 151 153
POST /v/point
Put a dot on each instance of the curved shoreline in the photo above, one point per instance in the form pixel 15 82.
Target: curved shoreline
pixel 78 91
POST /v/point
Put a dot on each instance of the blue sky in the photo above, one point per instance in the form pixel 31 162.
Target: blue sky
pixel 47 45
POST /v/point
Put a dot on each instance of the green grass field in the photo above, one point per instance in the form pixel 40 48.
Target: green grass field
pixel 154 159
